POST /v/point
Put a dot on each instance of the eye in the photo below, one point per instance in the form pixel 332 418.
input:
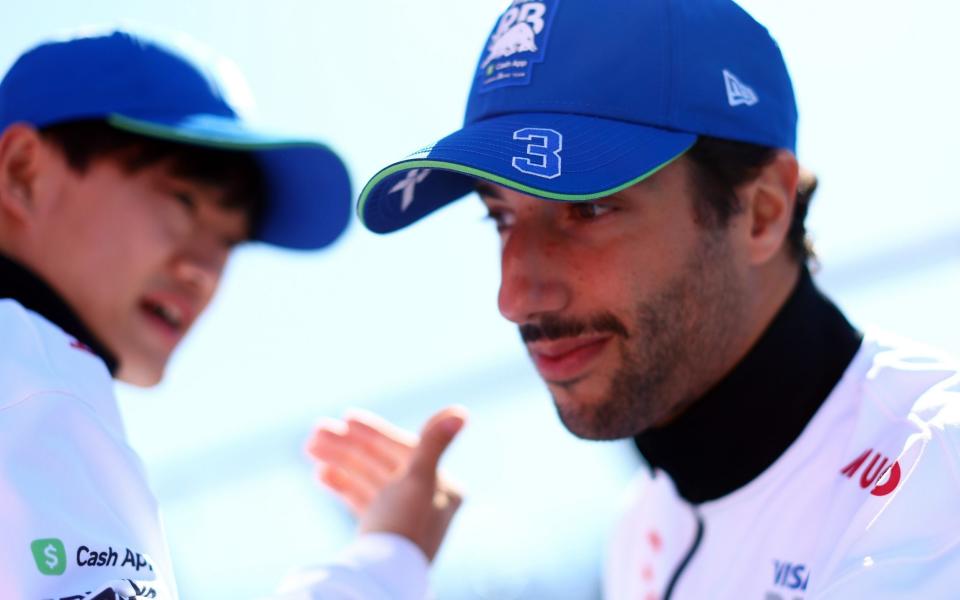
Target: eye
pixel 588 211
pixel 503 219
pixel 229 242
pixel 186 200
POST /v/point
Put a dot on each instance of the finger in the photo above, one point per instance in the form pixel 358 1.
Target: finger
pixel 335 440
pixel 450 490
pixel 391 444
pixel 351 456
pixel 385 436
pixel 352 492
pixel 323 435
pixel 447 501
pixel 326 432
pixel 382 426
pixel 345 482
pixel 386 451
pixel 435 437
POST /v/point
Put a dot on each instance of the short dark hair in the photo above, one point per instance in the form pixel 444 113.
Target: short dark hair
pixel 237 173
pixel 720 166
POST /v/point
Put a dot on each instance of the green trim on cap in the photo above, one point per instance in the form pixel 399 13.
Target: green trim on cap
pixel 164 132
pixel 425 163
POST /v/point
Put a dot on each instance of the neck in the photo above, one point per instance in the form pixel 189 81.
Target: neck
pixel 715 446
pixel 19 283
pixel 770 290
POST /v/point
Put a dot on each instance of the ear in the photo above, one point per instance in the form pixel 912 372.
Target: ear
pixel 22 153
pixel 769 199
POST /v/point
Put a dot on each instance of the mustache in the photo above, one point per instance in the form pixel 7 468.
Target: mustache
pixel 554 328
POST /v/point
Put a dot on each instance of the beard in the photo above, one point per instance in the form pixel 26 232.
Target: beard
pixel 668 358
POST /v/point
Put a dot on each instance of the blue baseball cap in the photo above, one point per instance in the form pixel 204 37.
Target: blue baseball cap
pixel 138 85
pixel 574 100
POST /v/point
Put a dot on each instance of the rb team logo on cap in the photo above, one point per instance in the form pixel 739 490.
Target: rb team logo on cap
pixel 518 42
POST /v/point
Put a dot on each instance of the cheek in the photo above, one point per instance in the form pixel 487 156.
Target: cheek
pixel 659 255
pixel 125 252
pixel 627 263
pixel 133 242
pixel 602 280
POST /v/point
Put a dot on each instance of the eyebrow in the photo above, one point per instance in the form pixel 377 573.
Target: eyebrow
pixel 485 189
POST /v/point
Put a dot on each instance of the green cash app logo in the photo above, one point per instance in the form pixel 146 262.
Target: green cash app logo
pixel 50 556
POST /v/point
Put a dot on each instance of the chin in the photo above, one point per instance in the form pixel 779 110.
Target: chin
pixel 589 426
pixel 593 417
pixel 596 409
pixel 140 375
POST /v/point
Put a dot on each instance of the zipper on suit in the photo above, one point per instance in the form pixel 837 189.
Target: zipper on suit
pixel 686 559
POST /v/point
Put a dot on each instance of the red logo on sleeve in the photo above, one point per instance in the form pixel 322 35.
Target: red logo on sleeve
pixel 81 346
pixel 876 472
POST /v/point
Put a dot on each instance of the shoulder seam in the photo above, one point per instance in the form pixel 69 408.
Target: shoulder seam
pixel 28 318
pixel 51 392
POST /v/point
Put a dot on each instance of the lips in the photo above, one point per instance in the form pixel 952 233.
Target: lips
pixel 560 361
pixel 169 313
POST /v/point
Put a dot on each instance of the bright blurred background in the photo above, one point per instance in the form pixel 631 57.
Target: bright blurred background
pixel 405 324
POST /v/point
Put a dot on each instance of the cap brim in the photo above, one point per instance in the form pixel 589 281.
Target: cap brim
pixel 309 196
pixel 553 156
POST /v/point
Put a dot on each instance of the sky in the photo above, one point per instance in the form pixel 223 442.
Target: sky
pixel 407 323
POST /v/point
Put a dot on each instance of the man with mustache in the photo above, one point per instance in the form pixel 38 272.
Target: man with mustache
pixel 638 160
pixel 126 180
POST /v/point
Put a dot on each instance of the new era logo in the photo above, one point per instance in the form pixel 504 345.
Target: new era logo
pixel 738 93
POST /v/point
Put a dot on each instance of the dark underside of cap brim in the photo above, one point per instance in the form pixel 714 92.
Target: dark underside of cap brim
pixel 553 156
pixel 309 195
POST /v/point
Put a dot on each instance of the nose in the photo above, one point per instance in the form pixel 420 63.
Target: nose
pixel 531 278
pixel 200 265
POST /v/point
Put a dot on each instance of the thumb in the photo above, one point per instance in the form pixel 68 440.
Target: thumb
pixel 436 435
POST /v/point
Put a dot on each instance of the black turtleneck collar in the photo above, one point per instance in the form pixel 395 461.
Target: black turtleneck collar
pixel 20 284
pixel 741 426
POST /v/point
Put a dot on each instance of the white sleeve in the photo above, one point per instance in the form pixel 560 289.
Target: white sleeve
pixel 931 578
pixel 377 566
pixel 910 548
pixel 76 515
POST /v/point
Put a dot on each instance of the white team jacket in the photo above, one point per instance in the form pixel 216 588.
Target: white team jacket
pixel 865 504
pixel 76 514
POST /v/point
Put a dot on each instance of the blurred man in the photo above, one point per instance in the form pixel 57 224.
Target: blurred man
pixel 638 160
pixel 126 179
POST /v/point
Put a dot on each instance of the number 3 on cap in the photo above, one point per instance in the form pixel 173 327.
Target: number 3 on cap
pixel 543 152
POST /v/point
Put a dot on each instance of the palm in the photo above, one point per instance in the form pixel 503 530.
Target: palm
pixel 388 477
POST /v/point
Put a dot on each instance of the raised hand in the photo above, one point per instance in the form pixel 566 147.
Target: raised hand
pixel 388 477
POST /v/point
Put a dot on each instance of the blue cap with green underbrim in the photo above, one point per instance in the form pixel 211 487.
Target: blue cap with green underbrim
pixel 141 86
pixel 574 100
